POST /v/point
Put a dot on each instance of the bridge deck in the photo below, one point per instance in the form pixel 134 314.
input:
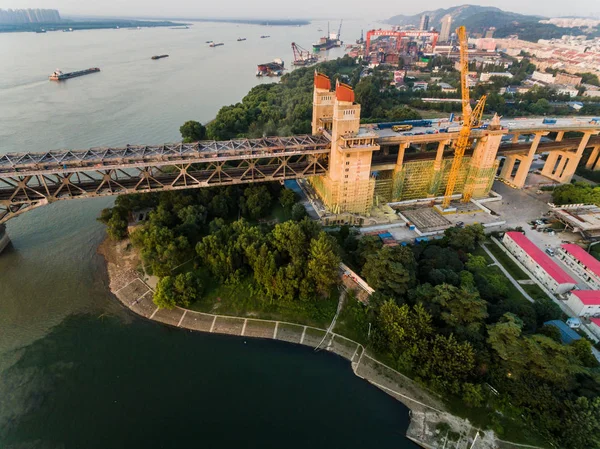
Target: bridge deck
pixel 157 155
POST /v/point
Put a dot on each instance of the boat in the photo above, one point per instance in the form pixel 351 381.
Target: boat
pixel 330 41
pixel 40 31
pixel 159 56
pixel 274 68
pixel 58 75
pixel 265 37
pixel 68 30
pixel 209 42
pixel 240 39
pixel 216 44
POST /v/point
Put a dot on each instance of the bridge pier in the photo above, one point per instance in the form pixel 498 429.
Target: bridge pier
pixel 524 164
pixel 574 158
pixel 437 168
pixel 593 162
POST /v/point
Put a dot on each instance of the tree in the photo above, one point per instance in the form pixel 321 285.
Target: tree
pixel 192 131
pixel 391 270
pixel 180 290
pixel 581 424
pixel 323 263
pixel 466 238
pixel 298 212
pixel 287 198
pixel 257 201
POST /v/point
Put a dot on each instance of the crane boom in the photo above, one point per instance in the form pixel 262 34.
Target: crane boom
pixel 471 118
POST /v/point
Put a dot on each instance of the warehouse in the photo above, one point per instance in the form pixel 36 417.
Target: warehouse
pixel 538 263
pixel 583 264
pixel 584 303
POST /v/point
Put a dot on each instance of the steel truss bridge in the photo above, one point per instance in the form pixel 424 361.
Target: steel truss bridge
pixel 29 180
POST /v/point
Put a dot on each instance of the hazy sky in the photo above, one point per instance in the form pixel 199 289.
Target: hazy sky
pixel 295 8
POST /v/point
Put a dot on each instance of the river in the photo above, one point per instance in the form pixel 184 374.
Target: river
pixel 79 371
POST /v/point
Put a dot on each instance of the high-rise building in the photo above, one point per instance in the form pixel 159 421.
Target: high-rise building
pixel 424 22
pixel 446 28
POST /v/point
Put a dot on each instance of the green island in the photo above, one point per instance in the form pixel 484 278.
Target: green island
pixel 442 313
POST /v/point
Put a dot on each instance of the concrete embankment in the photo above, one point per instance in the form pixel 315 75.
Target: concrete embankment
pixel 427 409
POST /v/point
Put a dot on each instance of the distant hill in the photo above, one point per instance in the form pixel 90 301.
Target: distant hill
pixel 475 18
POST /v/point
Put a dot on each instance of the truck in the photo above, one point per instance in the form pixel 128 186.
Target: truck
pixel 549 121
pixel 401 128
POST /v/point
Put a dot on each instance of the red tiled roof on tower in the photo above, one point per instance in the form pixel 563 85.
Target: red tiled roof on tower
pixel 322 81
pixel 343 92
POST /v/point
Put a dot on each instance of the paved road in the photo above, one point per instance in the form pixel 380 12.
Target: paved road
pixel 507 274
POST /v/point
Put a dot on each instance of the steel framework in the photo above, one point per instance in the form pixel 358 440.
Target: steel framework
pixel 29 180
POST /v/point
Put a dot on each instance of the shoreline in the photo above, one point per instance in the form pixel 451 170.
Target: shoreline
pixel 425 411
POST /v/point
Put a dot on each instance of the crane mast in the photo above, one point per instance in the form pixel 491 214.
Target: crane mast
pixel 471 118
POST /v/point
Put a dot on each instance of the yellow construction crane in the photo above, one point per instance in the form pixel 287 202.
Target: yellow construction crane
pixel 471 118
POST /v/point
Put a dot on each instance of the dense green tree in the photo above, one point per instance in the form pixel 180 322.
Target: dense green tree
pixel 298 212
pixel 323 263
pixel 391 270
pixel 192 131
pixel 180 290
pixel 257 201
pixel 287 198
pixel 161 249
pixel 466 238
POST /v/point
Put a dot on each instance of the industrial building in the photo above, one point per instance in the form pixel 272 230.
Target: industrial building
pixel 567 335
pixel 585 303
pixel 595 326
pixel 583 264
pixel 538 263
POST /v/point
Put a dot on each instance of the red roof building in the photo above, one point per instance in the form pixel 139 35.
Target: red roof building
pixel 583 264
pixel 584 302
pixel 343 92
pixel 538 263
pixel 322 81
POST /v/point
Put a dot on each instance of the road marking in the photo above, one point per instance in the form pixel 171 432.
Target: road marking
pixel 303 334
pixel 213 324
pixel 126 285
pixel 152 316
pixel 244 326
pixel 181 319
pixel 275 330
pixel 133 303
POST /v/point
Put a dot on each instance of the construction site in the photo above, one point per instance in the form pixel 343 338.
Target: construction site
pixel 427 178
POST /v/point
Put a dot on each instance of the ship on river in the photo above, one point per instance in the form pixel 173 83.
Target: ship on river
pixel 58 75
pixel 330 41
pixel 159 56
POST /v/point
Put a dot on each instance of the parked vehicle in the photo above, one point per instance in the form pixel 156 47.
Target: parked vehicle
pixel 550 252
pixel 549 121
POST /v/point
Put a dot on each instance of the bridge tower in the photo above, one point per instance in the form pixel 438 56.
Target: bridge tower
pixel 348 187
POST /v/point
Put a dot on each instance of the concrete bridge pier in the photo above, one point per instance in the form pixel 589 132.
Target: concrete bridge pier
pixel 574 158
pixel 437 168
pixel 524 164
pixel 594 162
pixel 561 166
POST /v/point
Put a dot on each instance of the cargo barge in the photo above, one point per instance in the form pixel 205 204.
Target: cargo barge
pixel 241 39
pixel 159 56
pixel 58 75
pixel 274 68
pixel 216 44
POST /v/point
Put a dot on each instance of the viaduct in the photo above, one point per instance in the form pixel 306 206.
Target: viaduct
pixel 350 166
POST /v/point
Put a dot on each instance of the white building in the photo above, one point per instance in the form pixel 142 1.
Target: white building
pixel 446 30
pixel 486 76
pixel 595 326
pixel 584 302
pixel 567 90
pixel 583 264
pixel 547 78
pixel 538 263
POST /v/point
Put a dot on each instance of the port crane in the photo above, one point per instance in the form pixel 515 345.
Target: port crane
pixel 471 119
pixel 302 56
pixel 340 30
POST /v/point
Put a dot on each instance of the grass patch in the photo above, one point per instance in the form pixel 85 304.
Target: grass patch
pixel 245 299
pixel 507 262
pixel 353 321
pixel 534 291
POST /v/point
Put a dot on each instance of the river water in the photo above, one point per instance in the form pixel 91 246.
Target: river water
pixel 79 371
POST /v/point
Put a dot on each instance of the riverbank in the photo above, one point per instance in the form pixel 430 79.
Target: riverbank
pixel 431 426
pixel 80 25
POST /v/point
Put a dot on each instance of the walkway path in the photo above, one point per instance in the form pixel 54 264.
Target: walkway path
pixel 507 274
pixel 337 313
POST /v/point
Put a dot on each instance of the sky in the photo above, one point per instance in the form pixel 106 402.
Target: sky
pixel 292 9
